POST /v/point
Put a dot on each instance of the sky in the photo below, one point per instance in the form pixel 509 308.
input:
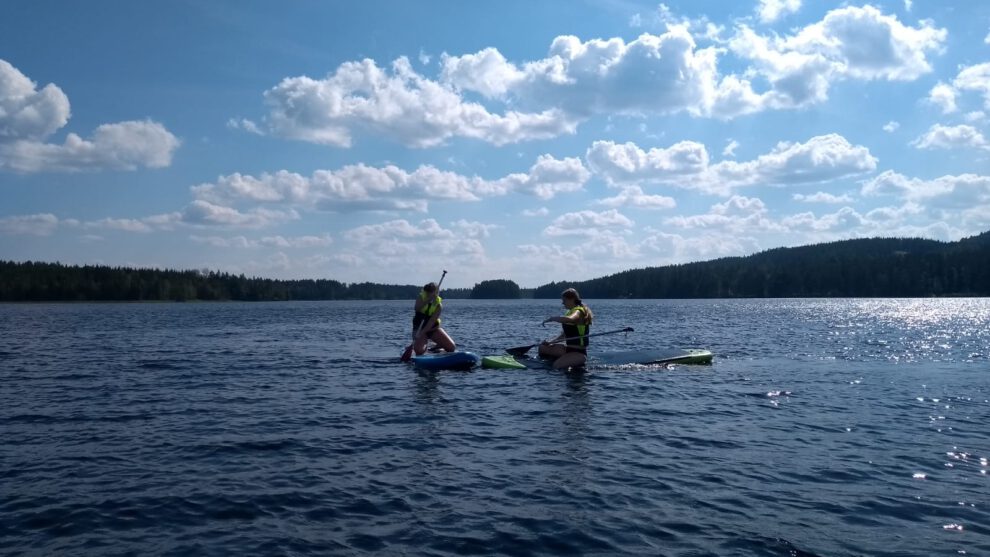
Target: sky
pixel 560 140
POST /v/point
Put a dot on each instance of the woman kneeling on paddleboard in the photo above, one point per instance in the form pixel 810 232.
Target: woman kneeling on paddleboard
pixel 426 321
pixel 576 323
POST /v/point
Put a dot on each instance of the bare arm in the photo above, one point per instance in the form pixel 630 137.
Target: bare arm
pixel 563 320
pixel 575 318
pixel 558 319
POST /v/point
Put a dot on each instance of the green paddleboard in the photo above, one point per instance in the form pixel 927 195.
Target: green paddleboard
pixel 501 362
pixel 647 357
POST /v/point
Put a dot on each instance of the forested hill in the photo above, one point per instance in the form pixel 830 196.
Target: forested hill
pixel 880 267
pixel 56 282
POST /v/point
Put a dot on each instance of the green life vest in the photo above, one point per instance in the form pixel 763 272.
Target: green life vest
pixel 578 330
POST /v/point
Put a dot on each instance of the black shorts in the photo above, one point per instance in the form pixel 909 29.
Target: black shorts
pixel 579 349
pixel 417 321
pixel 429 334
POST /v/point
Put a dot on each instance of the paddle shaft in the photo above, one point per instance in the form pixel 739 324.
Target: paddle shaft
pixel 407 353
pixel 523 349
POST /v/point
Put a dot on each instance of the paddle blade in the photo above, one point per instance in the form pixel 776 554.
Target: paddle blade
pixel 407 355
pixel 519 350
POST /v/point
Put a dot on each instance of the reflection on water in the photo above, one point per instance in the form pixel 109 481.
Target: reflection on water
pixel 427 387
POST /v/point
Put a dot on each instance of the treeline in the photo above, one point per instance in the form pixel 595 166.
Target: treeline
pixel 38 282
pixel 879 267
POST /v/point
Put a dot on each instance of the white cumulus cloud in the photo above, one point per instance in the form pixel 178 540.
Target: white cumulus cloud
pixel 649 75
pixel 820 159
pixel 772 10
pixel 822 197
pixel 968 192
pixel 361 187
pixel 541 212
pixel 25 112
pixel 28 117
pixel 633 196
pixel 975 78
pixel 547 178
pixel 41 224
pixel 845 220
pixel 488 97
pixel 588 223
pixel 203 213
pixel 278 241
pixel 400 104
pixel 864 43
pixel 738 214
pixel 951 137
pixel 944 97
pixel 390 244
pixel 730 148
pixel 849 43
pixel 126 225
pixel 121 146
pixel 627 163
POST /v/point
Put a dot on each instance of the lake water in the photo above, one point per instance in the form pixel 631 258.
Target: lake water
pixel 823 427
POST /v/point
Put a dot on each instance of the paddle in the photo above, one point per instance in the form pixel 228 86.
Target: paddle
pixel 407 354
pixel 521 350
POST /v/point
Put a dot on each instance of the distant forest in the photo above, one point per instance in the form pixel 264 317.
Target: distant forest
pixel 879 267
pixel 56 282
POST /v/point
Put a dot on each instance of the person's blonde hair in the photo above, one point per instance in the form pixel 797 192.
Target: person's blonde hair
pixel 572 294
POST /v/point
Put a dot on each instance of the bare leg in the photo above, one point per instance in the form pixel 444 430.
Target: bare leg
pixel 443 340
pixel 419 346
pixel 551 351
pixel 570 359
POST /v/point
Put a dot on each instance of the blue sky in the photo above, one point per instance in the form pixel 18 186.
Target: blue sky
pixel 531 141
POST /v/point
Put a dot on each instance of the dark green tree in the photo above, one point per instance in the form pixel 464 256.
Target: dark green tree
pixel 499 289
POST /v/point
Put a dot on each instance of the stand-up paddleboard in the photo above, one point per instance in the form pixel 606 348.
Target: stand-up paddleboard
pixel 536 363
pixel 647 357
pixel 447 360
pixel 501 362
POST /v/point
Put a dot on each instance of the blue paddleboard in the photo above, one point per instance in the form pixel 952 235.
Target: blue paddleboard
pixel 447 360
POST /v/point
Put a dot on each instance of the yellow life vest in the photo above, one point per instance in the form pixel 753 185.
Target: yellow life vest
pixel 431 307
pixel 578 330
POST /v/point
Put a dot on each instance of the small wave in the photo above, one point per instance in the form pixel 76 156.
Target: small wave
pixel 687 442
pixel 80 418
pixel 761 545
pixel 163 364
pixel 246 447
pixel 34 419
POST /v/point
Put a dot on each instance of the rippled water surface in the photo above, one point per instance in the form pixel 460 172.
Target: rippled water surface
pixel 824 427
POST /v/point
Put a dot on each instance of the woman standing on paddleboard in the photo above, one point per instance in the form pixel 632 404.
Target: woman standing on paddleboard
pixel 426 321
pixel 576 323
